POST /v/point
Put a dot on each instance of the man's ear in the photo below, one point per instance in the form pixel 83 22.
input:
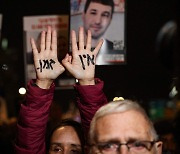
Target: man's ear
pixel 159 147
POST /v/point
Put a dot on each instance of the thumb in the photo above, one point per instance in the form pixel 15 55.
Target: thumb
pixel 66 63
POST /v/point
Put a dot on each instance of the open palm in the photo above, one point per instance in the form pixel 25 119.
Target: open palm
pixel 82 62
pixel 46 62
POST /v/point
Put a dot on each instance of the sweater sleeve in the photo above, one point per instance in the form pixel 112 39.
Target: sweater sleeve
pixel 32 121
pixel 89 99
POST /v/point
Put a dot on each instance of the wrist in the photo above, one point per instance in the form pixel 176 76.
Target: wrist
pixel 87 82
pixel 44 84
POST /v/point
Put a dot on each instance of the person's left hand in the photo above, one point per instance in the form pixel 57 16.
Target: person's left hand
pixel 82 62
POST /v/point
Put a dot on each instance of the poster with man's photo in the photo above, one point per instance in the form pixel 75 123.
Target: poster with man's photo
pixel 33 26
pixel 106 20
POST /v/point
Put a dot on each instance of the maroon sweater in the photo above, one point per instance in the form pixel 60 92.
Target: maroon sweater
pixel 33 116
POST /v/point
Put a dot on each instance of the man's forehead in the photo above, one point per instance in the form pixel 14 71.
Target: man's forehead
pixel 99 6
pixel 129 124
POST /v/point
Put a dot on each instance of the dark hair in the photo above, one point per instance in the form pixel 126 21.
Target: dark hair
pixel 67 122
pixel 104 2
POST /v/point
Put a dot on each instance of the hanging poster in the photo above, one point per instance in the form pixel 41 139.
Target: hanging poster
pixel 32 26
pixel 106 21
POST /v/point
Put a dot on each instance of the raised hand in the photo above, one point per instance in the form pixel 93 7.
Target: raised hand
pixel 46 62
pixel 82 62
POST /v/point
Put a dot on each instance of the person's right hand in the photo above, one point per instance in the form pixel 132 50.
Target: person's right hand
pixel 46 62
pixel 82 62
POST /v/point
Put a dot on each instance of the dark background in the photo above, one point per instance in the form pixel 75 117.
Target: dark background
pixel 143 78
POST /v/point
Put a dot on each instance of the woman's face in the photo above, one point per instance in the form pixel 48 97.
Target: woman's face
pixel 65 140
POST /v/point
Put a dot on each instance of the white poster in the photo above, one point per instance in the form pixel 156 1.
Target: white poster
pixel 32 26
pixel 106 20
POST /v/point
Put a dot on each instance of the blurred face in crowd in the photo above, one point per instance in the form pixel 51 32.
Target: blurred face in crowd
pixel 126 133
pixel 65 140
pixel 97 19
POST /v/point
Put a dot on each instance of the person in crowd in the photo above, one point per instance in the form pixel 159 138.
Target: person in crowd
pixel 176 125
pixel 34 112
pixel 3 111
pixel 165 130
pixel 66 137
pixel 97 17
pixel 7 127
pixel 123 127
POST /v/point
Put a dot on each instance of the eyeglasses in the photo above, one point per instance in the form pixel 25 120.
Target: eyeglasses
pixel 134 147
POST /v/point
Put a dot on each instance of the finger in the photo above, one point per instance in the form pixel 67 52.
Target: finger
pixel 54 41
pixel 34 48
pixel 70 59
pixel 98 47
pixel 66 57
pixel 66 62
pixel 81 38
pixel 42 45
pixel 74 41
pixel 48 38
pixel 88 45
